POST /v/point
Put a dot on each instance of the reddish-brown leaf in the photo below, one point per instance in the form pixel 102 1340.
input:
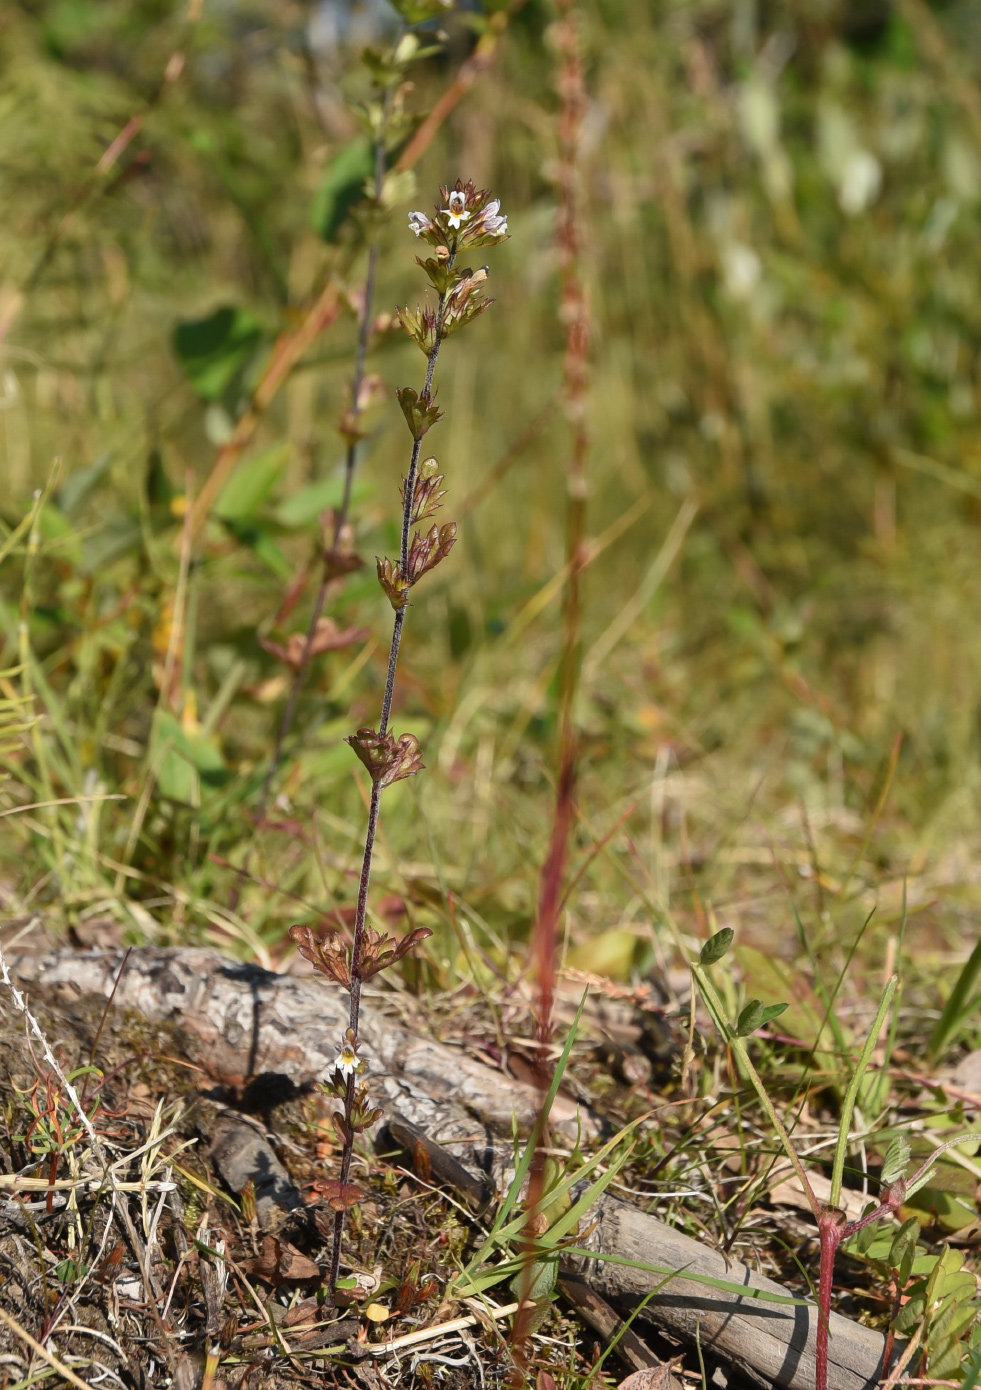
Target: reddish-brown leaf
pixel 339 1196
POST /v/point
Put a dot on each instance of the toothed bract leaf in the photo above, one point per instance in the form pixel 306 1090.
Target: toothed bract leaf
pixel 421 412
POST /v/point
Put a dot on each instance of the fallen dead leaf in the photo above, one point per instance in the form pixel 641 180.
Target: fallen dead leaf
pixel 786 1191
pixel 278 1262
pixel 651 1378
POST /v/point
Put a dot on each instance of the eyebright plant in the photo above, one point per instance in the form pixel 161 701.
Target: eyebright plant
pixel 465 219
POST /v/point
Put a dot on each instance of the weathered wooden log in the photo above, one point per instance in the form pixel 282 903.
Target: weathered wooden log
pixel 240 1022
pixel 772 1340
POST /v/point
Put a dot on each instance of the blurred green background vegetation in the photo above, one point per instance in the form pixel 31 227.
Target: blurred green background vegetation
pixel 781 218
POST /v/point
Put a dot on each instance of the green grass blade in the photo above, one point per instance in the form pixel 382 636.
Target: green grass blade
pixel 955 1009
pixel 848 1104
pixel 524 1162
pixel 709 1280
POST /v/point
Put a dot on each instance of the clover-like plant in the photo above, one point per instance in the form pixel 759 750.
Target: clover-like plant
pixel 465 219
pixel 896 1186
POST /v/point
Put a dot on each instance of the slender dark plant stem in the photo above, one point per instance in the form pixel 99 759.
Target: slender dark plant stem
pixel 357 948
pixel 341 517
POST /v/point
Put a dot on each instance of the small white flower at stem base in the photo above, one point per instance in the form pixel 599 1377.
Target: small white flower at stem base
pixel 346 1061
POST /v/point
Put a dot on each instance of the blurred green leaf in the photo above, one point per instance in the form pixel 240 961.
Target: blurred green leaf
pixel 118 534
pixel 183 760
pixel 537 1281
pixel 610 953
pixel 305 505
pixel 252 484
pixel 961 1004
pixel 258 539
pixel 215 350
pixel 343 187
pixel 417 11
pixel 81 484
pixel 60 535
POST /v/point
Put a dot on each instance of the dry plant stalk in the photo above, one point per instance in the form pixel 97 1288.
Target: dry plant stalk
pixel 574 316
pixel 465 220
pixel 573 313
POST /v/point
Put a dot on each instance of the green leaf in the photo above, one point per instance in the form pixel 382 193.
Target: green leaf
pixel 902 1252
pixel 767 976
pixel 304 506
pixel 81 484
pixel 945 1361
pixel 160 492
pixel 216 350
pixel 118 534
pixel 251 484
pixel 262 545
pixel 948 1212
pixel 343 188
pixel 896 1161
pixel 416 11
pixel 743 1291
pixel 183 760
pixel 716 947
pixel 608 953
pixel 537 1281
pixel 972 1370
pixel 962 1003
pixel 755 1015
pixel 866 1236
pixel 911 1312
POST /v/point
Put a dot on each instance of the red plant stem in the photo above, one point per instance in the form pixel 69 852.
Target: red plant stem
pixel 357 948
pixel 830 1231
pixel 573 313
